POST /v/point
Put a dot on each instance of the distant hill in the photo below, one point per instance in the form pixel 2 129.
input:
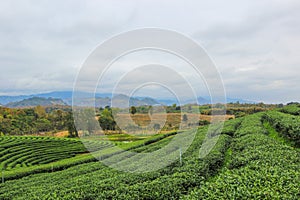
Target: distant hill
pixel 65 98
pixel 36 101
pixel 8 99
pixel 120 101
pixel 104 99
pixel 234 100
pixel 207 100
pixel 200 100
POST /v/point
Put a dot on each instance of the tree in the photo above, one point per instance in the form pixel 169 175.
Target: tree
pixel 203 122
pixel 43 125
pixel 132 110
pixel 71 125
pixel 40 111
pixel 184 118
pixel 156 126
pixel 86 121
pixel 280 105
pixel 151 110
pixel 107 121
pixel 56 117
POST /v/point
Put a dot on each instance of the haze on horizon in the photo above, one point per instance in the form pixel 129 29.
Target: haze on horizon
pixel 254 44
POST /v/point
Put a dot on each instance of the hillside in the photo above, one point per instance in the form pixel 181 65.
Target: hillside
pixel 255 157
pixel 65 98
pixel 103 99
pixel 36 101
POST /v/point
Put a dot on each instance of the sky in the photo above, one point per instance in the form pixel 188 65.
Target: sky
pixel 254 44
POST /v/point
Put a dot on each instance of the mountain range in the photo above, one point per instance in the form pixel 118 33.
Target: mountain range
pixel 100 100
pixel 36 101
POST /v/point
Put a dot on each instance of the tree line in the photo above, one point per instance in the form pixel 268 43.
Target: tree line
pixel 36 120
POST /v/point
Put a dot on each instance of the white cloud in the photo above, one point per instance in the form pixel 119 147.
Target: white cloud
pixel 255 44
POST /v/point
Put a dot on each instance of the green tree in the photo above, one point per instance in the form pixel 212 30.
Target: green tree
pixel 43 125
pixel 71 125
pixel 40 111
pixel 132 110
pixel 107 121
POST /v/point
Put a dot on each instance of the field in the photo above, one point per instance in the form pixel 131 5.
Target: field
pixel 17 152
pixel 167 121
pixel 255 157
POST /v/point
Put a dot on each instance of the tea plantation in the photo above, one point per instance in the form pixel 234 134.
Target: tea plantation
pixel 255 157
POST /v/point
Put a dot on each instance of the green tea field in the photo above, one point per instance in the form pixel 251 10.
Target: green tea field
pixel 255 157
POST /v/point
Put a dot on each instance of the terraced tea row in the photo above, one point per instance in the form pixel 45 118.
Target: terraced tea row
pixel 16 152
pixel 293 109
pixel 287 125
pixel 45 154
pixel 96 181
pixel 258 167
pixel 245 163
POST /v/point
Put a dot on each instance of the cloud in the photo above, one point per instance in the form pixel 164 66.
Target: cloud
pixel 255 44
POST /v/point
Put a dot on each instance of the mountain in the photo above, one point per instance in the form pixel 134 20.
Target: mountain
pixel 8 99
pixel 64 95
pixel 103 99
pixel 200 101
pixel 35 101
pixel 57 94
pixel 234 100
pixel 167 102
pixel 122 101
pixel 207 100
pixel 90 102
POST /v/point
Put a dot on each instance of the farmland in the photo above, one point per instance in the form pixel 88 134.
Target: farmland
pixel 255 157
pixel 19 152
pixel 170 120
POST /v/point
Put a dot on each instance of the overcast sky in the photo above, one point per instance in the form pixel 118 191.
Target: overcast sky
pixel 255 44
